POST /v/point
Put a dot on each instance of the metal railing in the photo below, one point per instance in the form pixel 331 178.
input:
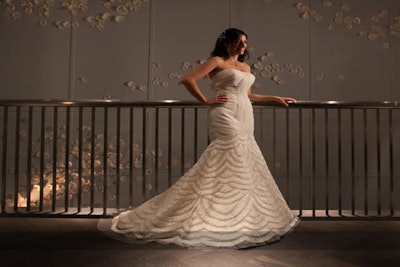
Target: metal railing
pixel 93 158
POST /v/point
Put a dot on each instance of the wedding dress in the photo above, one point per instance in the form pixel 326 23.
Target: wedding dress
pixel 229 197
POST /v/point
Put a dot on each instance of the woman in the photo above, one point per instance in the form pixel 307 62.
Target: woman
pixel 228 198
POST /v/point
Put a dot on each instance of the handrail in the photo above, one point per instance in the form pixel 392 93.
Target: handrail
pixel 179 103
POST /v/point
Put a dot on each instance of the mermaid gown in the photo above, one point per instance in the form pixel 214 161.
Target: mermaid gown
pixel 229 197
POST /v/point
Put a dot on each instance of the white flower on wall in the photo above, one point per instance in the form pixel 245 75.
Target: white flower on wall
pixel 320 76
pixel 306 12
pixel 74 6
pixel 133 86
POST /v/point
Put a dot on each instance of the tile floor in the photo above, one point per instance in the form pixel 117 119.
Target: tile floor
pixel 87 242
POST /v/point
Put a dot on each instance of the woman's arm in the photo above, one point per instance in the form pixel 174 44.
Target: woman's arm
pixel 260 98
pixel 190 81
pixel 265 98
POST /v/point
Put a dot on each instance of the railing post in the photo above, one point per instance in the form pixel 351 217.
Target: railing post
pixel 4 161
pixel 16 158
pixel 55 151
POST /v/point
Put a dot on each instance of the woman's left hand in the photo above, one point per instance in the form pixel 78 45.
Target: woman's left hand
pixel 219 99
pixel 284 100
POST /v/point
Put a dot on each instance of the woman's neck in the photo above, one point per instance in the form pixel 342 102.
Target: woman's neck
pixel 233 60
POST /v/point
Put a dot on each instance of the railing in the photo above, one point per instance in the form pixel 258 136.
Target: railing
pixel 94 158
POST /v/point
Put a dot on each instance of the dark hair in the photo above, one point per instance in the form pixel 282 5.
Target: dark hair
pixel 224 39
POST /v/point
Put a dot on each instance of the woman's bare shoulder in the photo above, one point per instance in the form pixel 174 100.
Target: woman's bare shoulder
pixel 216 60
pixel 245 67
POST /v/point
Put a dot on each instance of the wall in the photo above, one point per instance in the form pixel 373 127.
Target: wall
pixel 138 50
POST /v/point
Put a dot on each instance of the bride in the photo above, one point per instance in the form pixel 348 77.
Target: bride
pixel 229 197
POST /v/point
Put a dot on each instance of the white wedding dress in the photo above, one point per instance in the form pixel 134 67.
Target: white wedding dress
pixel 229 197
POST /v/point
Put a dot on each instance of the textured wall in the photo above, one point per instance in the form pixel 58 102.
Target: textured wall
pixel 138 50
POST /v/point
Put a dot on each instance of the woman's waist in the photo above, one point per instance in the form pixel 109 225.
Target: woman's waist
pixel 235 97
pixel 230 91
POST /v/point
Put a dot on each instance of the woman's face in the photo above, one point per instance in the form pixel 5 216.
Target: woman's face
pixel 239 46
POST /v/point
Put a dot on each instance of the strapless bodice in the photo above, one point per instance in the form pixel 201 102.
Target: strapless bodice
pixel 232 81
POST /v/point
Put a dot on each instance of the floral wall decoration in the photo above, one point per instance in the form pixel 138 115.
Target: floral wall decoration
pixel 266 68
pixel 92 165
pixel 114 11
pixel 375 27
pixel 378 27
pixel 157 81
pixel 181 70
pixel 132 86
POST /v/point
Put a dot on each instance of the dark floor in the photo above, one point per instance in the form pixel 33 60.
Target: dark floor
pixel 78 242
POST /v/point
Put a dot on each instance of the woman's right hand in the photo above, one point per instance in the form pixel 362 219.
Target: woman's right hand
pixel 216 100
